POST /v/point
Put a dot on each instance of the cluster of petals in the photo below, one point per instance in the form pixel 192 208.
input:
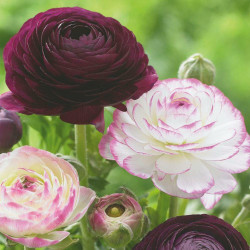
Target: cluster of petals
pixel 39 193
pixel 185 135
pixel 131 217
pixel 197 231
pixel 72 62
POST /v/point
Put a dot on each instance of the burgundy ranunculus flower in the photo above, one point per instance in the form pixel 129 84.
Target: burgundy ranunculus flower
pixel 72 62
pixel 193 232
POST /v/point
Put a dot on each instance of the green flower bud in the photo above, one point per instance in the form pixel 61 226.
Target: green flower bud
pixel 198 67
pixel 246 201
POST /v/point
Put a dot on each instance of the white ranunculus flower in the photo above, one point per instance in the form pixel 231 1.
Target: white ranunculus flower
pixel 185 135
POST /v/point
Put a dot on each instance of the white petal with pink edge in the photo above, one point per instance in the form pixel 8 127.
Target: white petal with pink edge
pixel 86 198
pixel 210 200
pixel 223 182
pixel 104 147
pixel 38 241
pixel 120 151
pixel 197 180
pixel 169 186
pixel 134 132
pixel 140 165
pixel 173 164
pixel 217 153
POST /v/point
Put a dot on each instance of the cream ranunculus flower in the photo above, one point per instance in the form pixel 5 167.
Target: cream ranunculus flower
pixel 185 135
pixel 39 193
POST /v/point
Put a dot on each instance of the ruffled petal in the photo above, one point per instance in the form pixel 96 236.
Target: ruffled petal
pixel 43 240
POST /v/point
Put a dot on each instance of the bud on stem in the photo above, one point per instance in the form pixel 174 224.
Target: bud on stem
pixel 118 219
pixel 244 211
pixel 198 67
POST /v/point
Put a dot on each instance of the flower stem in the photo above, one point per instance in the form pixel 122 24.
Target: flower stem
pixel 173 207
pixel 81 154
pixel 182 206
pixel 27 248
pixel 162 207
pixel 81 149
pixel 240 217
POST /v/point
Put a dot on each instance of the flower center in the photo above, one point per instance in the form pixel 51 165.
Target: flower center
pixel 75 30
pixel 115 210
pixel 26 182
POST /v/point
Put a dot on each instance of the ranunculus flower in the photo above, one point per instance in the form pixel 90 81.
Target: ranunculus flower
pixel 193 232
pixel 185 135
pixel 10 129
pixel 39 193
pixel 72 62
pixel 118 218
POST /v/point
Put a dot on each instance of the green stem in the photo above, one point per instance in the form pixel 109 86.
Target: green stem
pixel 240 217
pixel 27 248
pixel 119 248
pixel 183 206
pixel 173 207
pixel 162 207
pixel 81 154
pixel 81 149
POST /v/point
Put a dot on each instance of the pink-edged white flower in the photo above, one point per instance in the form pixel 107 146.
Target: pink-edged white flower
pixel 39 193
pixel 185 135
pixel 118 218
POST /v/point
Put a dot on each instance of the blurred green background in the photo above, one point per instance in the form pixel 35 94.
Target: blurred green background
pixel 170 31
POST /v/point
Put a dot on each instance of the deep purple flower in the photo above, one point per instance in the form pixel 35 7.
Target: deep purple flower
pixel 72 62
pixel 10 129
pixel 193 232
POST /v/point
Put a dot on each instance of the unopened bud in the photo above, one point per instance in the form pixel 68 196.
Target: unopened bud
pixel 10 129
pixel 198 67
pixel 118 219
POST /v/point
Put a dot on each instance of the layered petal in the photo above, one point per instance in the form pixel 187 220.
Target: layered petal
pixel 187 136
pixel 39 193
pixel 72 62
pixel 45 240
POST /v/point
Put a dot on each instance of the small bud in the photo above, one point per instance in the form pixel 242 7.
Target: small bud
pixel 246 201
pixel 10 129
pixel 198 67
pixel 119 219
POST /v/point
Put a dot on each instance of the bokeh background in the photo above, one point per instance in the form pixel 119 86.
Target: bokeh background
pixel 170 31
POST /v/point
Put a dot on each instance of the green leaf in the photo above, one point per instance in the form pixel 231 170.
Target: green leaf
pixel 97 183
pixel 3 239
pixel 119 177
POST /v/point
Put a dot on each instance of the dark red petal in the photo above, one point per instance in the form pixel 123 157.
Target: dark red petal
pixel 86 115
pixel 9 102
pixel 121 107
